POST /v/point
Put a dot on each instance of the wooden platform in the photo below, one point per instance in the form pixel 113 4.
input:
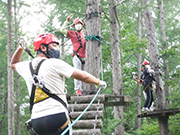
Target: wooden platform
pixel 107 100
pixel 159 113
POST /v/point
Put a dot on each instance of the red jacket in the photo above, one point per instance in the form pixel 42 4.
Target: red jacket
pixel 76 44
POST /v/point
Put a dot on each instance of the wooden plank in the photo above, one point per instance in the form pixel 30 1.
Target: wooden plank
pixel 88 124
pixel 81 107
pixel 159 113
pixel 108 100
pixel 86 99
pixel 87 132
pixel 111 100
pixel 87 115
pixel 116 103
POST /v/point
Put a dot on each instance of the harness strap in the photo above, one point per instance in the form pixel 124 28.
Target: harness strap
pixel 76 52
pixel 79 43
pixel 65 124
pixel 34 87
pixel 44 89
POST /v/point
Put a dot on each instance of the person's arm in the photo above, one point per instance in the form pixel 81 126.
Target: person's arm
pixel 154 86
pixel 65 24
pixel 88 78
pixel 64 28
pixel 137 80
pixel 16 57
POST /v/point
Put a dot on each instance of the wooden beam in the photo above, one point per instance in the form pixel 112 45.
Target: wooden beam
pixel 107 100
pixel 81 107
pixel 88 124
pixel 87 115
pixel 111 100
pixel 87 132
pixel 159 113
pixel 86 99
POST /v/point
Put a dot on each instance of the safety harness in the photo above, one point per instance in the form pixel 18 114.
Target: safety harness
pixel 39 91
pixel 76 52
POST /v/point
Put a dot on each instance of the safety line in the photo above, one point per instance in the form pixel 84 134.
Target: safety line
pixel 82 112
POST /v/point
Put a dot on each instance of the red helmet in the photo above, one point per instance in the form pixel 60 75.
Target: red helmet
pixel 44 39
pixel 77 20
pixel 145 62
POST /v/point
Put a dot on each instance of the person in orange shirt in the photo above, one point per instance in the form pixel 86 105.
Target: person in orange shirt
pixel 78 41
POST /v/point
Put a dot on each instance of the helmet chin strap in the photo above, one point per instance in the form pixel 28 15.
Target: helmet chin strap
pixel 46 54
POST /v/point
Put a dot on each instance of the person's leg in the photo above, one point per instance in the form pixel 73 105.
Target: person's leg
pixel 145 97
pixel 78 65
pixel 144 93
pixel 52 124
pixel 152 102
pixel 148 98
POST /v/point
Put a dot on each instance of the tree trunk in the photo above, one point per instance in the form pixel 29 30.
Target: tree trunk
pixel 163 125
pixel 139 71
pixel 155 64
pixel 93 28
pixel 165 47
pixel 10 74
pixel 17 76
pixel 116 63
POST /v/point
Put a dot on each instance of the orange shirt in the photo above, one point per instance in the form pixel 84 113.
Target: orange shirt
pixel 76 44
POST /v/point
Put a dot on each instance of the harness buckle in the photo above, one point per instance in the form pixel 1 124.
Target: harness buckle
pixel 37 81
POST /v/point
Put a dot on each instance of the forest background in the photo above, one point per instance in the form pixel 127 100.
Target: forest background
pixel 56 12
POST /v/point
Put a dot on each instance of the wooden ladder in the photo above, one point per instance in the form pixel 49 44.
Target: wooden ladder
pixel 91 122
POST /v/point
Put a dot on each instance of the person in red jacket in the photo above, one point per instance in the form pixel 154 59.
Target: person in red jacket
pixel 78 41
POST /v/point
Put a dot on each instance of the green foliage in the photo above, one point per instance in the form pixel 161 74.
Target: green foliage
pixel 149 127
pixel 109 122
pixel 131 44
pixel 174 124
pixel 3 72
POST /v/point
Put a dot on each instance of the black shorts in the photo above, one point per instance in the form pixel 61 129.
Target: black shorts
pixel 51 124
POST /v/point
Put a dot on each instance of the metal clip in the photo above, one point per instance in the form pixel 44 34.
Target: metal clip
pixel 37 81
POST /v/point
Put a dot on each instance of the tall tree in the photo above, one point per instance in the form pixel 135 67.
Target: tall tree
pixel 116 63
pixel 93 28
pixel 11 130
pixel 18 120
pixel 155 64
pixel 165 48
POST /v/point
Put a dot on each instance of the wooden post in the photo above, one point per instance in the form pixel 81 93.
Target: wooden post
pixel 93 28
